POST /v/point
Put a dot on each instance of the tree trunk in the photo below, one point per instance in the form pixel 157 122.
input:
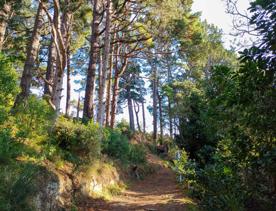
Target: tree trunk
pixel 78 108
pixel 4 16
pixel 68 90
pixel 170 117
pixel 100 113
pixel 48 87
pixel 63 30
pixel 154 101
pixel 91 72
pixel 59 73
pixel 116 91
pixel 32 51
pixel 108 90
pixel 144 117
pixel 114 98
pixel 160 115
pixel 137 110
pixel 169 75
pixel 130 110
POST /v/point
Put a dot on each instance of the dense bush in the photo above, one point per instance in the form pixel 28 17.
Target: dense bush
pixel 117 145
pixel 124 128
pixel 8 86
pixel 17 185
pixel 33 118
pixel 229 131
pixel 80 139
pixel 8 149
pixel 137 154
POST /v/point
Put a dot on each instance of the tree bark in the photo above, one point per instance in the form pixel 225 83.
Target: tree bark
pixel 154 101
pixel 100 113
pixel 108 90
pixel 160 115
pixel 91 72
pixel 48 86
pixel 130 110
pixel 78 108
pixel 170 117
pixel 137 110
pixel 118 73
pixel 32 51
pixel 144 117
pixel 68 84
pixel 4 16
pixel 63 30
pixel 169 75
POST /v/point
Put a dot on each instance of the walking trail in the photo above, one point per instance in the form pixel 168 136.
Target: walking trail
pixel 157 191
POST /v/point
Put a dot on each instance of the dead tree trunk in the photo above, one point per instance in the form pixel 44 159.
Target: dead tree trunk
pixel 91 72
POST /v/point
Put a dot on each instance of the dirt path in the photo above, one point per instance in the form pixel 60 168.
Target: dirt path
pixel 158 191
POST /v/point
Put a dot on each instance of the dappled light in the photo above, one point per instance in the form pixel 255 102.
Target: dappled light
pixel 147 105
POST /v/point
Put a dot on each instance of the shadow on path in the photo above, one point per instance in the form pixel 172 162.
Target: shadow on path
pixel 157 191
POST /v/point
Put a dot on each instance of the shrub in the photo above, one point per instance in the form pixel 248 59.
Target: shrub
pixel 17 185
pixel 137 154
pixel 124 128
pixel 8 86
pixel 216 185
pixel 82 140
pixel 33 118
pixel 117 146
pixel 7 149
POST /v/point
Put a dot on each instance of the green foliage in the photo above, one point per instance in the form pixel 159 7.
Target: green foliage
pixel 124 128
pixel 234 166
pixel 117 146
pixel 8 86
pixel 77 138
pixel 137 154
pixel 33 118
pixel 7 149
pixel 17 185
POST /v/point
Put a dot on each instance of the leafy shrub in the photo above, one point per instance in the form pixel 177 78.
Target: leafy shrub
pixel 124 128
pixel 8 86
pixel 116 145
pixel 82 140
pixel 137 154
pixel 17 185
pixel 33 118
pixel 217 186
pixel 7 149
